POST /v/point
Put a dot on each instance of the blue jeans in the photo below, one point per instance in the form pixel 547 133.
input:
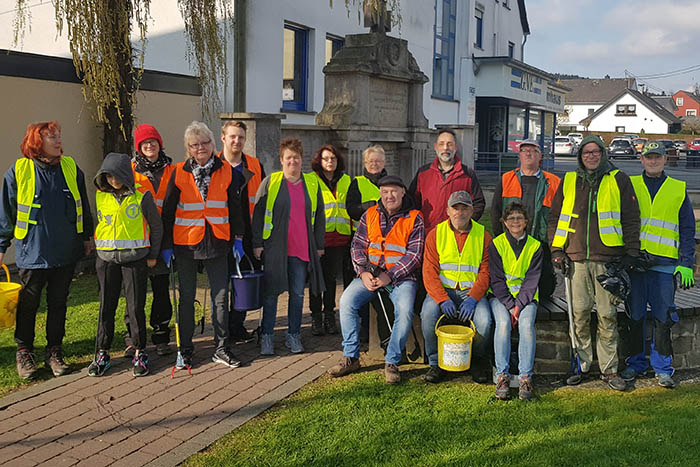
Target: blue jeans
pixel 501 337
pixel 656 289
pixel 296 278
pixel 430 313
pixel 356 296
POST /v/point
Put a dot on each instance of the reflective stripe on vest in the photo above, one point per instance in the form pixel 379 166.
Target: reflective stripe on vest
pixel 254 183
pixel 144 184
pixel 608 207
pixel 273 189
pixel 193 213
pixel 459 268
pixel 368 192
pixel 337 218
pixel 660 232
pixel 25 177
pixel 514 268
pixel 392 247
pixel 121 226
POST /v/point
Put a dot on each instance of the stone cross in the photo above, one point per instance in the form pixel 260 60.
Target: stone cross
pixel 378 21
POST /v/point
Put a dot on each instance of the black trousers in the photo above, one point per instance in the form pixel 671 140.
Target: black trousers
pixel 161 311
pixel 110 277
pixel 57 282
pixel 335 262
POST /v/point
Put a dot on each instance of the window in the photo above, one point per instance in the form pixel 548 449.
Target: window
pixel 679 101
pixel 479 15
pixel 691 113
pixel 333 45
pixel 294 74
pixel 591 111
pixel 619 129
pixel 511 49
pixel 444 48
pixel 623 109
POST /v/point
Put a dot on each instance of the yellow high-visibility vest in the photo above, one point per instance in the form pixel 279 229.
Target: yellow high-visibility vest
pixel 516 268
pixel 459 268
pixel 273 189
pixel 368 192
pixel 121 226
pixel 337 218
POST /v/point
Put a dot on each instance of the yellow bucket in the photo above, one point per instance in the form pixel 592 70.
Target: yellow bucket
pixel 454 346
pixel 9 296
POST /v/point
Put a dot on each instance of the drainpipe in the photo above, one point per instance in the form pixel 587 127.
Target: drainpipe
pixel 240 33
pixel 522 48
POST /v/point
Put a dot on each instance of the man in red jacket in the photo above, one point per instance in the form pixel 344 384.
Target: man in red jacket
pixel 435 182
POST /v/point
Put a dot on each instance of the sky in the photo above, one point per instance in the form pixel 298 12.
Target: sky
pixel 594 38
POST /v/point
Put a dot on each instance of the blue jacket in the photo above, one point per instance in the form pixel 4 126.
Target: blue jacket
pixel 53 241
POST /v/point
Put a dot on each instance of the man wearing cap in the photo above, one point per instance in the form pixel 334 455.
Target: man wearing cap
pixel 534 188
pixel 456 277
pixel 668 236
pixel 435 182
pixel 386 253
pixel 594 219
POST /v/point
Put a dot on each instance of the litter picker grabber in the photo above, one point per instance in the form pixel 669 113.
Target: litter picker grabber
pixel 575 358
pixel 179 362
pixel 385 342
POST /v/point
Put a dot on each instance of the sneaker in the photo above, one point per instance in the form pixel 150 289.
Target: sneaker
pixel 434 374
pixel 525 391
pixel 317 324
pixel 329 323
pixel 100 364
pixel 614 381
pixel 391 373
pixel 129 352
pixel 575 379
pixel 54 360
pixel 243 337
pixel 293 343
pixel 163 349
pixel 267 344
pixel 345 366
pixel 26 364
pixel 226 357
pixel 140 363
pixel 503 387
pixel 666 381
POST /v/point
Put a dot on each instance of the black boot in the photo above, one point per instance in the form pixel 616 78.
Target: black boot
pixel 317 323
pixel 329 322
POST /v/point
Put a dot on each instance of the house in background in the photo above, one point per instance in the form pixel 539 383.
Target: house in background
pixel 688 104
pixel 587 95
pixel 630 111
pixel 665 101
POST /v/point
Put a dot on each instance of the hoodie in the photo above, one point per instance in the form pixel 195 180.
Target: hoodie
pixel 585 242
pixel 119 166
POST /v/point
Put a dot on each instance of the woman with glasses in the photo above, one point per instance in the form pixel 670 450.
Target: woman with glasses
pixel 201 219
pixel 515 263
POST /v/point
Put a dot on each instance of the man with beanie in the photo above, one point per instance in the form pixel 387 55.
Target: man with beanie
pixel 594 219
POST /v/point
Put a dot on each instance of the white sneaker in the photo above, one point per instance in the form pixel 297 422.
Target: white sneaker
pixel 293 343
pixel 267 344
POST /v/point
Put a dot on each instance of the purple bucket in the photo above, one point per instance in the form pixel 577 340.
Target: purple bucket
pixel 247 288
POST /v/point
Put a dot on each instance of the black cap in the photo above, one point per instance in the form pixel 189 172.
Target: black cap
pixel 391 180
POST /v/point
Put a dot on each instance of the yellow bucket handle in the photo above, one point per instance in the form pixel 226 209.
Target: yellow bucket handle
pixel 7 272
pixel 469 325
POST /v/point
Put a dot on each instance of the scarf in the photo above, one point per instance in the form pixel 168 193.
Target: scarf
pixel 144 166
pixel 202 176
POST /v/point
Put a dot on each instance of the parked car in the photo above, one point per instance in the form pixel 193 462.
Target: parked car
pixel 630 136
pixel 576 137
pixel 695 145
pixel 621 147
pixel 564 146
pixel 680 144
pixel 671 152
pixel 639 144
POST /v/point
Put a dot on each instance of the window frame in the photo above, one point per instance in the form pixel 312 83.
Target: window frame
pixel 679 101
pixel 298 104
pixel 479 29
pixel 625 110
pixel 335 41
pixel 619 129
pixel 444 88
pixel 691 112
pixel 511 49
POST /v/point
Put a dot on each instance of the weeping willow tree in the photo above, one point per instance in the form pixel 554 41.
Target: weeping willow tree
pixel 99 35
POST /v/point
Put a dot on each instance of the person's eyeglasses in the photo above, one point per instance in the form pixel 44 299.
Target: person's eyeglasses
pixel 530 151
pixel 515 219
pixel 202 144
pixel 591 153
pixel 329 159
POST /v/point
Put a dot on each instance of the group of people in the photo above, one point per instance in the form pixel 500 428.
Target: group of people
pixel 421 246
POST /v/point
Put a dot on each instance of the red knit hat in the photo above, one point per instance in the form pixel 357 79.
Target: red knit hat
pixel 144 132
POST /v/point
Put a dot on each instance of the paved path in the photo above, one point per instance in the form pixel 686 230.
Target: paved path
pixel 155 420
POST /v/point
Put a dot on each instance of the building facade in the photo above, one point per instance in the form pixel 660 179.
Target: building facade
pixel 688 104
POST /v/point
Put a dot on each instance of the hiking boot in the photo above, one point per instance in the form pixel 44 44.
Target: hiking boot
pixel 140 363
pixel 614 381
pixel 243 336
pixel 481 371
pixel 576 379
pixel 345 366
pixel 26 364
pixel 54 360
pixel 163 349
pixel 226 357
pixel 100 364
pixel 267 344
pixel 317 324
pixel 391 373
pixel 293 343
pixel 503 387
pixel 666 381
pixel 329 323
pixel 525 391
pixel 434 374
pixel 130 352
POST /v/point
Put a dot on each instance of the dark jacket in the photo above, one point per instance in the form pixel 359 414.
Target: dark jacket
pixel 53 241
pixel 210 247
pixel 498 277
pixel 354 203
pixel 275 247
pixel 430 190
pixel 585 243
pixel 119 166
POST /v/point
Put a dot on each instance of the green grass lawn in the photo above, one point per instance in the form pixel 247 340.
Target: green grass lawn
pixel 359 420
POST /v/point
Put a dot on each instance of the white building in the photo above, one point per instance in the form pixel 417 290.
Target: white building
pixel 587 95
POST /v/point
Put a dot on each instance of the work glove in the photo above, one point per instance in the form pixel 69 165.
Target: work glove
pixel 466 309
pixel 628 262
pixel 449 309
pixel 237 249
pixel 167 255
pixel 562 262
pixel 687 279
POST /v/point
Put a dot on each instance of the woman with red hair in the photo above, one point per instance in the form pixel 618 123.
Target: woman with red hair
pixel 46 209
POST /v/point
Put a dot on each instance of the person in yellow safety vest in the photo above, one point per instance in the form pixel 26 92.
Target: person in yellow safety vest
pixel 456 278
pixel 127 239
pixel 289 226
pixel 668 237
pixel 515 264
pixel 45 209
pixel 594 219
pixel 329 166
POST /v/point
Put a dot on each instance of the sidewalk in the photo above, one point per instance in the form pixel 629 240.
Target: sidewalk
pixel 155 420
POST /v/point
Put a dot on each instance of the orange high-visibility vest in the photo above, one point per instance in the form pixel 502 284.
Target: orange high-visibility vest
pixel 393 246
pixel 192 212
pixel 143 184
pixel 513 189
pixel 254 183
